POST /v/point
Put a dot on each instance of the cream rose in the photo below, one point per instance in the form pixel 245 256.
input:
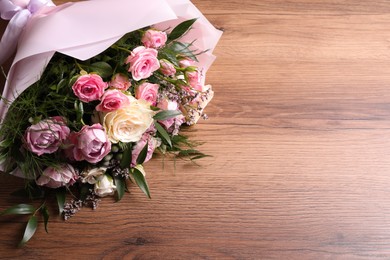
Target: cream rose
pixel 128 123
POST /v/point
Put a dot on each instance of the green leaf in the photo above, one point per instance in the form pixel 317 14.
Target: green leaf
pixel 166 114
pixel 29 231
pixel 190 152
pixel 84 191
pixel 32 192
pixel 20 209
pixel 184 49
pixel 164 134
pixel 6 143
pixel 102 68
pixel 181 29
pixel 126 158
pixel 46 215
pixel 138 175
pixel 142 155
pixel 120 183
pixel 200 157
pixel 79 107
pixel 61 196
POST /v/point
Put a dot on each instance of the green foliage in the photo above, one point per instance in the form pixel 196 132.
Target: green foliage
pixel 20 209
pixel 138 175
pixel 61 197
pixel 46 216
pixel 31 227
pixel 126 158
pixel 163 133
pixel 181 30
pixel 120 183
pixel 142 155
pixel 166 114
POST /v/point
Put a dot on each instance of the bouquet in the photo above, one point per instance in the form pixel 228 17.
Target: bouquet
pixel 80 125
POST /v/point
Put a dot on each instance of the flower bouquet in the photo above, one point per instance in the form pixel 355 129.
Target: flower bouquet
pixel 88 101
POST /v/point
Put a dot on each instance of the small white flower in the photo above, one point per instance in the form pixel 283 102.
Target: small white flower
pixel 105 186
pixel 92 176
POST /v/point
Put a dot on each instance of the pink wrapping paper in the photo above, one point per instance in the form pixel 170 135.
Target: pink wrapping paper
pixel 85 29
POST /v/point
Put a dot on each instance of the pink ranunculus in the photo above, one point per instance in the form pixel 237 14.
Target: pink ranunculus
pixel 46 136
pixel 153 143
pixel 89 87
pixel 154 38
pixel 112 99
pixel 167 68
pixel 55 177
pixel 143 62
pixel 120 81
pixel 90 143
pixel 147 92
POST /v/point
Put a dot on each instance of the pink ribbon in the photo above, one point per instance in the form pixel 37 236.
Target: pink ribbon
pixel 18 12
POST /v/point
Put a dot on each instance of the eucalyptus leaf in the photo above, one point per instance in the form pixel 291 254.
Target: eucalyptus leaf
pixel 31 227
pixel 46 215
pixel 61 196
pixel 138 175
pixel 20 209
pixel 142 155
pixel 164 134
pixel 166 114
pixel 180 29
pixel 120 183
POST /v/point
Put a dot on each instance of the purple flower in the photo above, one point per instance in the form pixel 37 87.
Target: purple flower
pixel 90 144
pixel 46 136
pixel 55 177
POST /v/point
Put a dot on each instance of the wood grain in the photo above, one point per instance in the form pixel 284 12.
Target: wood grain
pixel 298 131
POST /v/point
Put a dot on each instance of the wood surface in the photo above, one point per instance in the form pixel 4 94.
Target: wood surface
pixel 299 132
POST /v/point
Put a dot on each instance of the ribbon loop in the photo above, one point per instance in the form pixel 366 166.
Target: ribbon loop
pixel 18 12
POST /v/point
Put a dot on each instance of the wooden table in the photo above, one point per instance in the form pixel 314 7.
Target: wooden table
pixel 299 131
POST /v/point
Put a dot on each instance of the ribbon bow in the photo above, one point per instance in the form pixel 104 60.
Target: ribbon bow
pixel 18 12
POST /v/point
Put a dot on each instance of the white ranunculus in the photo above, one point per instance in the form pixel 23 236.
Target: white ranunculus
pixel 105 186
pixel 93 175
pixel 128 123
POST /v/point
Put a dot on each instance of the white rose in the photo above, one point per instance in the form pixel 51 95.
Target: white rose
pixel 128 123
pixel 92 176
pixel 105 186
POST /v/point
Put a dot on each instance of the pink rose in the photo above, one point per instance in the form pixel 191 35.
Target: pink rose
pixel 90 144
pixel 193 78
pixel 112 99
pixel 143 62
pixel 167 68
pixel 153 143
pixel 46 136
pixel 89 87
pixel 120 81
pixel 186 62
pixel 147 92
pixel 154 39
pixel 55 177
